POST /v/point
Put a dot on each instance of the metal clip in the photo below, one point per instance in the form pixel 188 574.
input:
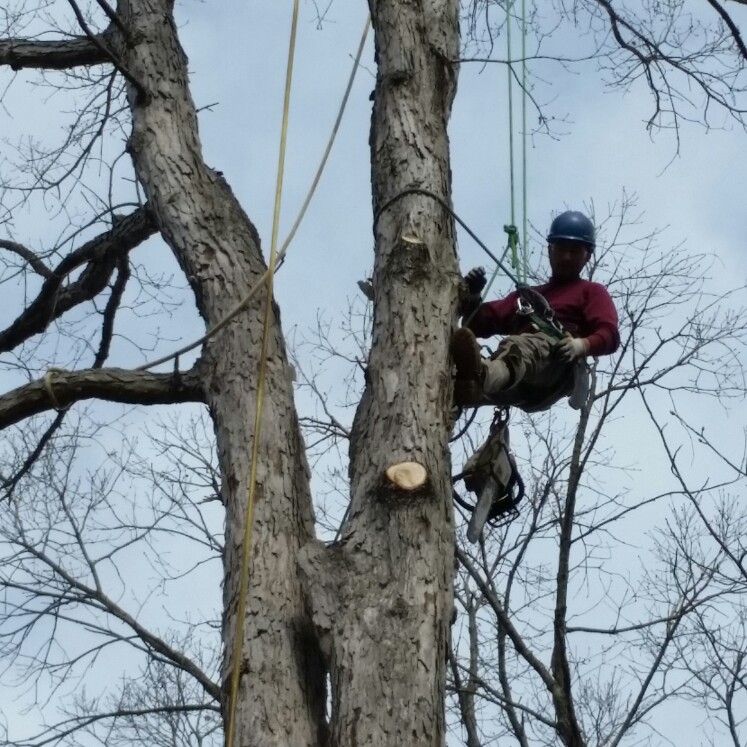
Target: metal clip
pixel 523 307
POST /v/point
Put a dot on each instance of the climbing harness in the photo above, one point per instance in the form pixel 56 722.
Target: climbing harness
pixel 492 475
pixel 236 664
pixel 532 303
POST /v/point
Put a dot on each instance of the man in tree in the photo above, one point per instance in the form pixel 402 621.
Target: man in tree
pixel 533 368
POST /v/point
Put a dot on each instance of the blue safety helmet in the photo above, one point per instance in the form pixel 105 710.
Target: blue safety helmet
pixel 572 226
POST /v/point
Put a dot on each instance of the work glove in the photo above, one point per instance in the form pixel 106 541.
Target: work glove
pixel 573 348
pixel 476 280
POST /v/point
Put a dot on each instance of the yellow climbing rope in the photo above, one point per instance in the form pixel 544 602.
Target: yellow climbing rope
pixel 252 482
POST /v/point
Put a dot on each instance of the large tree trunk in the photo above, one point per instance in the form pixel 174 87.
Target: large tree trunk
pixel 382 598
pixel 282 692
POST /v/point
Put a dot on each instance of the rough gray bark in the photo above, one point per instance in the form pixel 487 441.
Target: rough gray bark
pixel 282 695
pixel 382 598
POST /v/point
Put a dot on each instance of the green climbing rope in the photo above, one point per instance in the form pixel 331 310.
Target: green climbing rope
pixel 524 137
pixel 516 245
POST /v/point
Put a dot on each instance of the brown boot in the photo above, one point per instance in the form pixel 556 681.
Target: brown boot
pixel 469 368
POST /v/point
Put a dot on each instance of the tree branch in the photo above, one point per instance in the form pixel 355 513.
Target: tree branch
pixel 95 597
pixel 113 16
pixel 729 21
pixel 492 599
pixel 102 255
pixel 9 483
pixel 466 693
pixel 70 726
pixel 106 49
pixel 110 312
pixel 31 258
pixel 567 720
pixel 57 54
pixel 60 389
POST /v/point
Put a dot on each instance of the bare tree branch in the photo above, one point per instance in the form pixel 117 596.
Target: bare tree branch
pixel 105 47
pixel 57 54
pixel 9 483
pixel 465 692
pixel 59 389
pixel 96 597
pixel 112 305
pixel 31 258
pixel 54 734
pixel 516 638
pixel 729 21
pixel 113 16
pixel 102 255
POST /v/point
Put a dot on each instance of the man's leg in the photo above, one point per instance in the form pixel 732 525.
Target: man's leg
pixel 476 379
pixel 470 369
pixel 522 361
pixel 539 377
pixel 527 358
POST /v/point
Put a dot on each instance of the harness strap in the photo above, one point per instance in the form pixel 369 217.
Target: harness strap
pixel 535 306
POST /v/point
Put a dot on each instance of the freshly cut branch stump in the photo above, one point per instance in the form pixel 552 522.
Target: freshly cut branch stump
pixel 407 475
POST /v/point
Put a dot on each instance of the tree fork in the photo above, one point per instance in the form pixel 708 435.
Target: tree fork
pixel 382 597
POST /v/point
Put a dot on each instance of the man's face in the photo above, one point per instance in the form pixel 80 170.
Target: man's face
pixel 567 258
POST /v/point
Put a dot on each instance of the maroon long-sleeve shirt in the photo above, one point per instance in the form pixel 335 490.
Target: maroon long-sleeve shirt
pixel 585 309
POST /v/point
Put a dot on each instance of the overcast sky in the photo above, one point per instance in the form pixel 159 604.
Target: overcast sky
pixel 606 148
pixel 237 51
pixel 698 195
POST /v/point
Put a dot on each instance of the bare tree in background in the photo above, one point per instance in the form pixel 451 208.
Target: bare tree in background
pixel 72 549
pixel 369 614
pixel 689 56
pixel 579 630
pixel 601 603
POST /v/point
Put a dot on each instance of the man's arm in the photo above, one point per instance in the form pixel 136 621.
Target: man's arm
pixel 602 319
pixel 486 319
pixel 495 317
pixel 473 283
